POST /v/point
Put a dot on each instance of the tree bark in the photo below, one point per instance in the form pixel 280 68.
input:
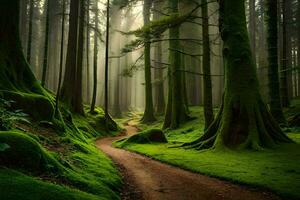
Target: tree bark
pixel 29 40
pixel 243 120
pixel 46 42
pixel 207 85
pixel 149 111
pixel 274 84
pixel 176 108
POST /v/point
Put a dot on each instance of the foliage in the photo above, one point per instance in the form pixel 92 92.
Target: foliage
pixel 8 117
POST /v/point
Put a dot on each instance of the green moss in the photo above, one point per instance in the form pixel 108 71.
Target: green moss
pixel 145 137
pixel 15 186
pixel 25 153
pixel 38 106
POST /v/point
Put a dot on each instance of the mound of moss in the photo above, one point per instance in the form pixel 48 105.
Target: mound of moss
pixel 22 152
pixel 145 137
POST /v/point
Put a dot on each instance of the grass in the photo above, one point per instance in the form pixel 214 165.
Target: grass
pixel 85 172
pixel 277 170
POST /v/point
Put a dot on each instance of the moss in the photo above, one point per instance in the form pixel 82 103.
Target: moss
pixel 25 153
pixel 145 137
pixel 37 106
pixel 15 186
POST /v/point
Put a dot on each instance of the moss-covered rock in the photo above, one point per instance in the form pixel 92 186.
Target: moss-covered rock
pixel 145 137
pixel 25 153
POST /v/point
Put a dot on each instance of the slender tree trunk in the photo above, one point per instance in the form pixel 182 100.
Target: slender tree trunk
pixel 95 59
pixel 208 107
pixel 176 109
pixel 149 112
pixel 29 40
pixel 158 73
pixel 274 85
pixel 284 66
pixel 243 120
pixel 298 42
pixel 61 55
pixel 46 42
pixel 88 49
pixel 77 98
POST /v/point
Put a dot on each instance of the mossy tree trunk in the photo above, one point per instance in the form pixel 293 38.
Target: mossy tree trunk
pixel 17 81
pixel 243 120
pixel 274 84
pixel 176 108
pixel 207 85
pixel 149 111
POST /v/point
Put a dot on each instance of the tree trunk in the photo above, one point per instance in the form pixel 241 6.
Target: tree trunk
pixel 298 44
pixel 176 109
pixel 29 40
pixel 149 112
pixel 67 90
pixel 252 26
pixel 46 42
pixel 207 85
pixel 274 85
pixel 284 66
pixel 95 59
pixel 88 49
pixel 243 120
pixel 17 81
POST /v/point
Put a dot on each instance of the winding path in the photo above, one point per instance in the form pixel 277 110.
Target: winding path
pixel 147 179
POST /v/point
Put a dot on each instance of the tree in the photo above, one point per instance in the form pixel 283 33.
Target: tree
pixel 243 120
pixel 71 91
pixel 298 45
pixel 176 111
pixel 274 85
pixel 208 107
pixel 29 40
pixel 17 81
pixel 95 63
pixel 45 62
pixel 158 73
pixel 149 112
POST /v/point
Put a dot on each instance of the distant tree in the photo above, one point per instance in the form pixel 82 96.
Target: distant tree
pixel 207 85
pixel 149 111
pixel 29 40
pixel 274 84
pixel 243 120
pixel 46 42
pixel 95 63
pixel 176 111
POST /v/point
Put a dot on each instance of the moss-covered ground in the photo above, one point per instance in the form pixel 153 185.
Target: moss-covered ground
pixel 57 164
pixel 276 169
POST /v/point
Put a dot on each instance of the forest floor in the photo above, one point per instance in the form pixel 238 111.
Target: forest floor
pixel 146 178
pixel 275 170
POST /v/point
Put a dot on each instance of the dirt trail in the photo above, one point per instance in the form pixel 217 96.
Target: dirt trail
pixel 151 180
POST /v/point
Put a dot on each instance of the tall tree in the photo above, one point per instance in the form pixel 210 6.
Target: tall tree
pixel 298 45
pixel 88 49
pixel 158 73
pixel 274 85
pixel 149 112
pixel 107 117
pixel 95 62
pixel 46 42
pixel 176 112
pixel 17 81
pixel 71 91
pixel 208 107
pixel 29 40
pixel 252 24
pixel 62 39
pixel 243 120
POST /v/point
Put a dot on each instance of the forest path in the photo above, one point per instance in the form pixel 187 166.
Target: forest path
pixel 148 179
